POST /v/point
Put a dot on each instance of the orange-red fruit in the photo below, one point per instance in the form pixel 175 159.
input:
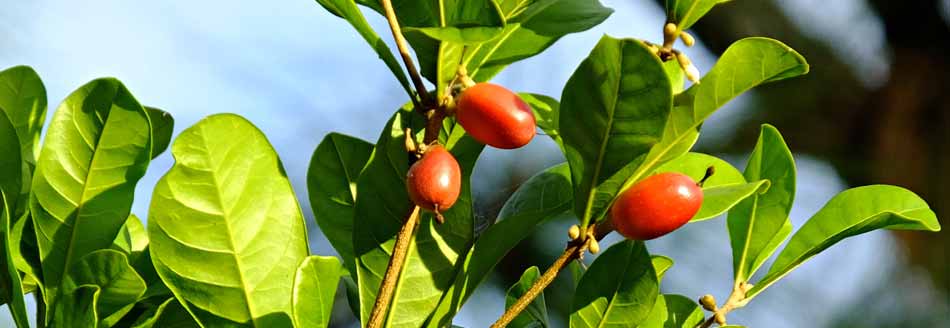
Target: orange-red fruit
pixel 495 116
pixel 434 180
pixel 656 206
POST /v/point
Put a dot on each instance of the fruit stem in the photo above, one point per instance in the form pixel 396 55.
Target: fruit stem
pixel 385 294
pixel 709 173
pixel 404 52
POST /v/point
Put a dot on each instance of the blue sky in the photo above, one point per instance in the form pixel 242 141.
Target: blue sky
pixel 298 72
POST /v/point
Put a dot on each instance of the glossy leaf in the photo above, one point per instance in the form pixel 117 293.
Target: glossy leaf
pixel 723 190
pixel 745 64
pixel 23 99
pixel 381 207
pixel 223 214
pixel 163 125
pixel 314 289
pixel 119 286
pixel 533 26
pixel 96 150
pixel 536 314
pixel 347 10
pixel 331 182
pixel 674 311
pixel 660 265
pixel 685 13
pixel 852 212
pixel 612 111
pixel 545 196
pixel 546 110
pixel 169 314
pixel 758 225
pixel 618 290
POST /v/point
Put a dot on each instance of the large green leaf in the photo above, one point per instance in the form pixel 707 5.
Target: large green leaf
pixel 163 124
pixel 314 289
pixel 25 252
pixel 23 100
pixel 226 233
pixel 758 225
pixel 685 13
pixel 618 290
pixel 612 111
pixel 11 289
pixel 347 10
pixel 119 285
pixel 745 64
pixel 536 314
pixel 168 314
pixel 544 196
pixel 331 182
pixel 96 150
pixel 458 35
pixel 723 190
pixel 852 212
pixel 674 311
pixel 77 308
pixel 382 205
pixel 533 26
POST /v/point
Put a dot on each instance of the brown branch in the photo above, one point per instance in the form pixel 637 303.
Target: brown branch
pixel 404 52
pixel 385 294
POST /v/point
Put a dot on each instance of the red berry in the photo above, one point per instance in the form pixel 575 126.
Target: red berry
pixel 656 206
pixel 435 180
pixel 495 116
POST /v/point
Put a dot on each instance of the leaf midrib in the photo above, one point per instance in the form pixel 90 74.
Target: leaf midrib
pixel 603 145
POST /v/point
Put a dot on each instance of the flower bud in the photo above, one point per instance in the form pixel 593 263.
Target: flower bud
pixel 688 39
pixel 708 302
pixel 574 232
pixel 594 246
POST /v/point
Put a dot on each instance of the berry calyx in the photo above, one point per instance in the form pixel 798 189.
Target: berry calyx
pixel 495 116
pixel 435 180
pixel 656 206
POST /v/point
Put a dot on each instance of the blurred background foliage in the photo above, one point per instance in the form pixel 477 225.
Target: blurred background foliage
pixel 874 109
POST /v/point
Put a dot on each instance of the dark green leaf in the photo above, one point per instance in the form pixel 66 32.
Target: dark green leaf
pixel 119 286
pixel 382 205
pixel 543 197
pixel 76 308
pixel 96 150
pixel 685 13
pixel 674 311
pixel 314 289
pixel 536 314
pixel 852 212
pixel 226 233
pixel 11 289
pixel 758 225
pixel 723 190
pixel 746 64
pixel 331 181
pixel 25 253
pixel 619 289
pixel 347 10
pixel 169 314
pixel 612 111
pixel 163 124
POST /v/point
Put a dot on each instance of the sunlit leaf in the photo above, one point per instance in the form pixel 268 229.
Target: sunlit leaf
pixel 618 290
pixel 314 289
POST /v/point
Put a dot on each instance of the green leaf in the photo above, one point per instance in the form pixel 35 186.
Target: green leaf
pixel 331 182
pixel 76 308
pixel 226 231
pixel 381 207
pixel 23 99
pixel 132 238
pixel 533 26
pixel 544 196
pixel 613 110
pixel 458 35
pixel 163 124
pixel 536 314
pixel 618 290
pixel 685 13
pixel 660 265
pixel 119 286
pixel 758 225
pixel 25 253
pixel 674 311
pixel 314 289
pixel 169 314
pixel 546 110
pixel 850 213
pixel 723 190
pixel 11 289
pixel 96 150
pixel 347 10
pixel 747 63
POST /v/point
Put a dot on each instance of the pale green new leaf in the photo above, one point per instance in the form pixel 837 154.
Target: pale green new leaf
pixel 347 10
pixel 674 311
pixel 850 213
pixel 758 225
pixel 315 286
pixel 331 183
pixel 96 150
pixel 545 196
pixel 660 265
pixel 613 110
pixel 618 290
pixel 226 233
pixel 723 190
pixel 685 13
pixel 119 285
pixel 536 314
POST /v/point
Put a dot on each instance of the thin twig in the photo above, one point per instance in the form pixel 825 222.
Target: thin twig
pixel 736 300
pixel 385 294
pixel 404 52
